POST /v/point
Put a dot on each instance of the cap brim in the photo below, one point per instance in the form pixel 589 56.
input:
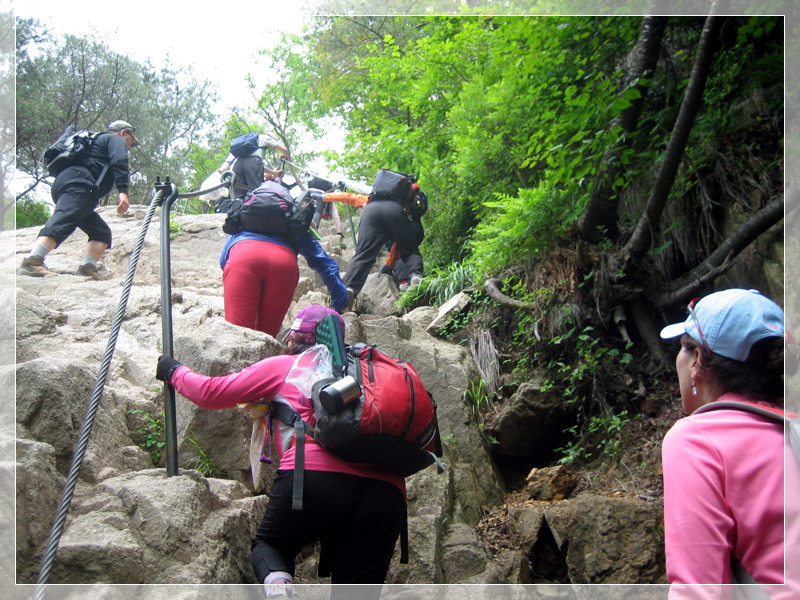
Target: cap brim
pixel 673 331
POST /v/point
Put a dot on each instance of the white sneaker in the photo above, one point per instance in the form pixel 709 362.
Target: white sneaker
pixel 415 279
pixel 280 588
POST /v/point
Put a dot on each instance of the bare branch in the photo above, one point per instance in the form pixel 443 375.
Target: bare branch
pixel 642 236
pixel 721 259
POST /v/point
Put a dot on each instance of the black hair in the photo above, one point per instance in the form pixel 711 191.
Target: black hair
pixel 759 377
pixel 295 347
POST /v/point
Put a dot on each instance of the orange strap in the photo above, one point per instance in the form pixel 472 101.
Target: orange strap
pixel 357 200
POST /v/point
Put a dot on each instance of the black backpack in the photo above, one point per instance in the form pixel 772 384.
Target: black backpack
pixel 270 210
pixel 392 185
pixel 70 149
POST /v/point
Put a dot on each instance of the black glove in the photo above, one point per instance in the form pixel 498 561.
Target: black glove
pixel 166 367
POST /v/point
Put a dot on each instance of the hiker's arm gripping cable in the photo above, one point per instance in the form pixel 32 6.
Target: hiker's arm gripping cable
pixel 326 268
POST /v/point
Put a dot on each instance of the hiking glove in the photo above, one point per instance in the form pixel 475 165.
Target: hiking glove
pixel 166 367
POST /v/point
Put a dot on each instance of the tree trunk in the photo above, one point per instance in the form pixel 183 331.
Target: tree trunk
pixel 641 239
pixel 721 259
pixel 601 212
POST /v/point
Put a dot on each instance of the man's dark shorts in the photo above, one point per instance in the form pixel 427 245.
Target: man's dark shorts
pixel 75 195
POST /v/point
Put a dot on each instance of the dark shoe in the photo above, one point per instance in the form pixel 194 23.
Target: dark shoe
pixel 89 270
pixel 351 296
pixel 33 266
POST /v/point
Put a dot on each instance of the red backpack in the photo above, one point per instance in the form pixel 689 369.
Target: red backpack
pixel 391 423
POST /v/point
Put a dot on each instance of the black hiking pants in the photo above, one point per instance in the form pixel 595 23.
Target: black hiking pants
pixel 382 221
pixel 357 520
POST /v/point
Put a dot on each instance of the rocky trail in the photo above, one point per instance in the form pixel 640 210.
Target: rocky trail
pixel 131 524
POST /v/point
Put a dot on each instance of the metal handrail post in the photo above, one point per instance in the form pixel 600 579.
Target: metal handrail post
pixel 170 422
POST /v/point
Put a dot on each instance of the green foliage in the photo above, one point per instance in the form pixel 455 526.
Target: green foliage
pixel 152 433
pixel 438 286
pixel 28 213
pixel 543 88
pixel 578 364
pixel 602 435
pixel 477 396
pixel 479 399
pixel 175 228
pixel 516 228
pixel 578 361
pixel 203 462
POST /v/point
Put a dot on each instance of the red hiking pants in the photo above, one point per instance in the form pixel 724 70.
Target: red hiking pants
pixel 258 284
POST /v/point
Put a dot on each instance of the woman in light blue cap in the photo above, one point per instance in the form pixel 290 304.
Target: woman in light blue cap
pixel 723 465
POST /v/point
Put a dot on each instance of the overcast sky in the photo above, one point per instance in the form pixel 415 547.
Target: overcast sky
pixel 219 40
pixel 219 46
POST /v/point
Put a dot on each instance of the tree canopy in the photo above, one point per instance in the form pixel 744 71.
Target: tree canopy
pixel 79 81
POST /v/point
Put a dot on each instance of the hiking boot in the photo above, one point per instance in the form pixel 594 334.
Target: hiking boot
pixel 351 297
pixel 415 279
pixel 89 270
pixel 33 266
pixel 403 285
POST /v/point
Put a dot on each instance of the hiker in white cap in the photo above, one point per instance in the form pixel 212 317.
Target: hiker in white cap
pixel 725 519
pixel 76 192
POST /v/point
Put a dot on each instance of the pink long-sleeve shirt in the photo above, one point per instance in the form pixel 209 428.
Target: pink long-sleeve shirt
pixel 263 380
pixel 724 491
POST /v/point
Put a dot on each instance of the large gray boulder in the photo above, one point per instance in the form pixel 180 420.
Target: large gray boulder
pixel 145 527
pixel 607 539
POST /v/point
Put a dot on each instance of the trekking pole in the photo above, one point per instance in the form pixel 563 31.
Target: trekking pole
pixel 49 555
pixel 352 227
pixel 170 422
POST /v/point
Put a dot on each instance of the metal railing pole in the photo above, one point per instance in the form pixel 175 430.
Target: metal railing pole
pixel 170 421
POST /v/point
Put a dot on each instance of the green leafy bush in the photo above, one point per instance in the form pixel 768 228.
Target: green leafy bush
pixel 29 213
pixel 152 432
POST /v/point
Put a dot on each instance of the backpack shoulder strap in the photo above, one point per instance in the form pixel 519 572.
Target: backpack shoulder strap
pixel 776 414
pixel 740 575
pixel 286 414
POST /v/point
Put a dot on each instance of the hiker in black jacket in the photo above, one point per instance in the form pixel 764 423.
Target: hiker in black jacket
pixel 250 170
pixel 76 192
pixel 381 221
